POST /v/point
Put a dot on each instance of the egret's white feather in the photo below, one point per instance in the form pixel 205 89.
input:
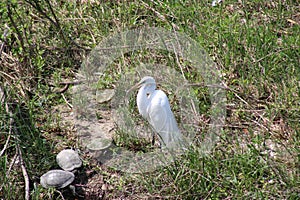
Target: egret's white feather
pixel 154 106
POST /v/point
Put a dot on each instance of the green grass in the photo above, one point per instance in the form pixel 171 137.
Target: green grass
pixel 255 44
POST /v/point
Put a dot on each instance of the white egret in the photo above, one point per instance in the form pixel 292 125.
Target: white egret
pixel 154 106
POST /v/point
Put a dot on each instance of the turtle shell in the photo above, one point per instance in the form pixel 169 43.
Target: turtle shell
pixel 68 160
pixel 57 179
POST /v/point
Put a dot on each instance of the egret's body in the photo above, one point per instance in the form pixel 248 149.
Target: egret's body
pixel 154 106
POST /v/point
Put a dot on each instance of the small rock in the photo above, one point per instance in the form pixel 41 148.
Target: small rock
pixel 102 149
pixel 104 187
pixel 104 95
pixel 99 144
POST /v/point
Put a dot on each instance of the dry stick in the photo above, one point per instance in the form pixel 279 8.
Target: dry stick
pixel 207 196
pixel 176 54
pixel 245 102
pixel 191 186
pixel 276 171
pixel 11 120
pixel 2 99
pixel 25 174
pixel 9 168
pixel 19 153
pixel 10 16
pixel 9 77
pixel 61 90
pixel 6 74
pixel 59 192
pixel 70 82
pixel 256 122
pixel 13 161
pixel 9 131
pixel 159 15
pixel 272 53
pixel 70 105
pixel 58 23
pixel 267 129
pixel 66 86
pixel 36 5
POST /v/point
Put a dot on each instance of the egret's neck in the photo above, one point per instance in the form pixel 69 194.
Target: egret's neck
pixel 144 97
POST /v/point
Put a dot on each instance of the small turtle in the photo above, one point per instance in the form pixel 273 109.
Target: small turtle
pixel 68 160
pixel 57 179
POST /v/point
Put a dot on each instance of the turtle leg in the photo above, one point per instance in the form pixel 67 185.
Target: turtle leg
pixel 153 139
pixel 73 189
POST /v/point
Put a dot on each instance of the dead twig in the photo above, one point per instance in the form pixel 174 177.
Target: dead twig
pixel 25 174
pixel 178 53
pixel 273 53
pixel 8 137
pixel 158 14
pixel 60 194
pixel 61 90
pixel 18 153
pixel 10 16
pixel 67 102
pixel 10 121
pixel 66 86
pixel 9 168
pixel 12 163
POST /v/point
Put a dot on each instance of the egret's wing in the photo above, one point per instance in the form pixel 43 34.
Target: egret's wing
pixel 162 118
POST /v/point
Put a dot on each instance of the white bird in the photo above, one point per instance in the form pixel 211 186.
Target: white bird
pixel 154 106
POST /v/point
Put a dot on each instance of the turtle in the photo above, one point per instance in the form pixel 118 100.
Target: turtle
pixel 68 160
pixel 57 179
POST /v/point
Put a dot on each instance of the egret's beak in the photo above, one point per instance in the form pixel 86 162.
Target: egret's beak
pixel 136 86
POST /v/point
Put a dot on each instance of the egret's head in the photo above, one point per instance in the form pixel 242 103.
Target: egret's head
pixel 147 80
